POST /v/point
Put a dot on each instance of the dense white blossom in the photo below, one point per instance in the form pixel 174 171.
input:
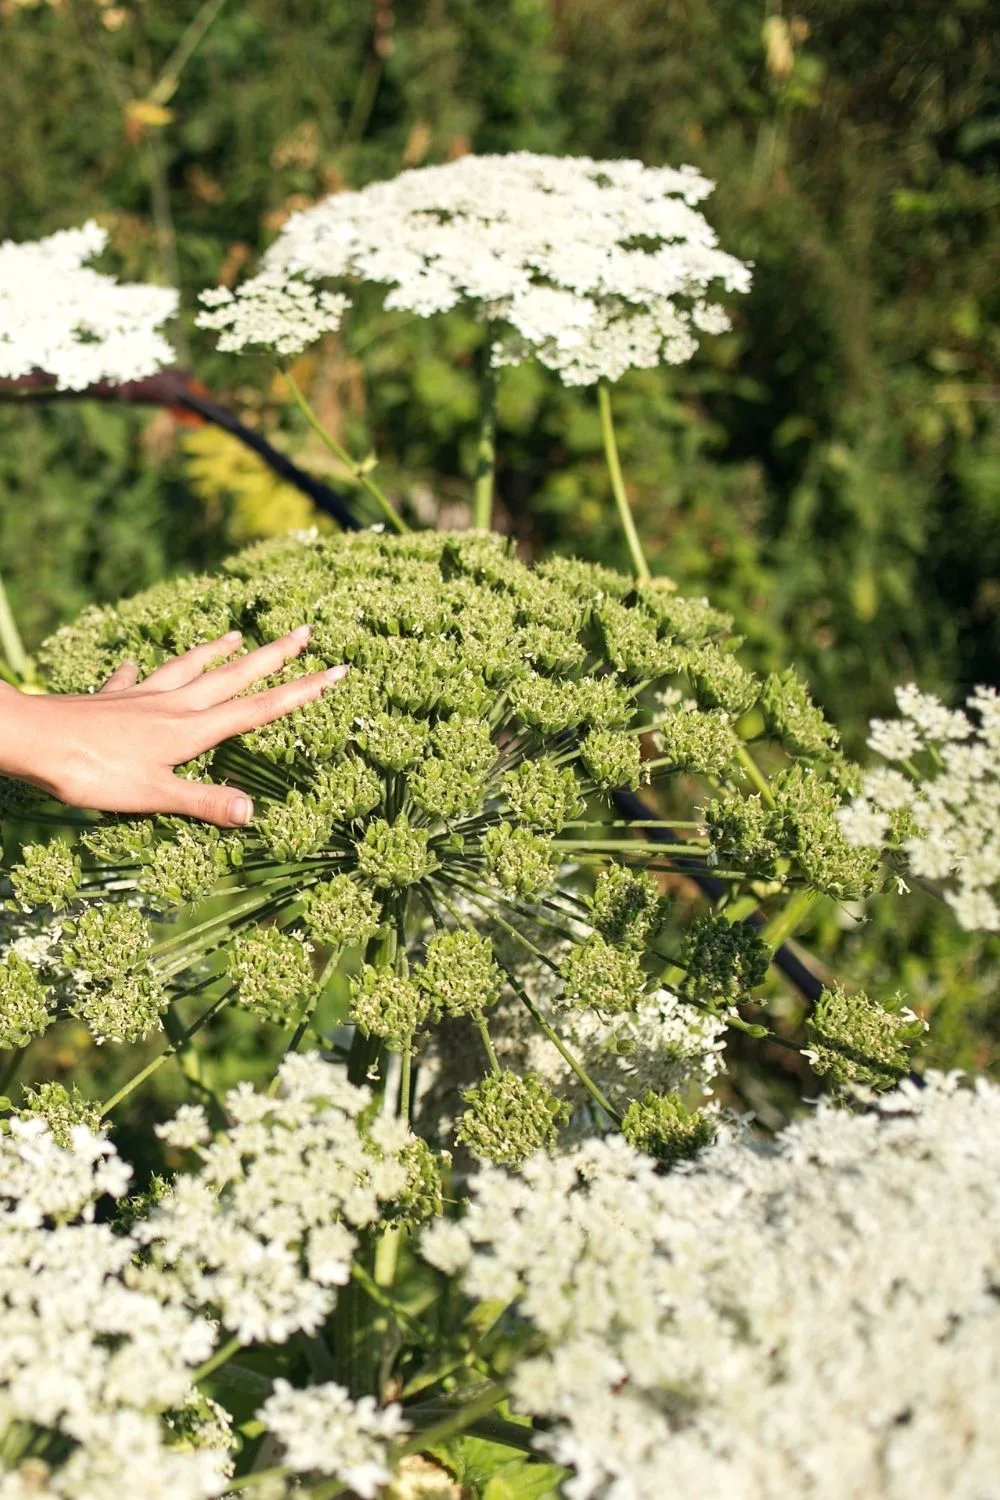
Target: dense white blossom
pixel 946 821
pixel 815 1320
pixel 596 267
pixel 74 324
pixel 324 1432
pixel 272 310
pixel 265 1229
pixel 88 1354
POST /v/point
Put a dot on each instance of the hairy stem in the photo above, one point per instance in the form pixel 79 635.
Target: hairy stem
pixel 482 508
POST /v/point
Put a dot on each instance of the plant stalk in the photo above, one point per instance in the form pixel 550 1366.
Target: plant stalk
pixel 356 470
pixel 482 508
pixel 640 567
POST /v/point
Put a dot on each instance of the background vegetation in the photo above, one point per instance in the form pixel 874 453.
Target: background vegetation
pixel 830 471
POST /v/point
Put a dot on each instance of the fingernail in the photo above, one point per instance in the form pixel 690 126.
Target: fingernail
pixel 302 633
pixel 240 810
pixel 233 635
pixel 337 674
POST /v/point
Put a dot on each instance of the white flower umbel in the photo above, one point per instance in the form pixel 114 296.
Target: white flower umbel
pixel 266 1228
pixel 90 1360
pixel 595 267
pixel 75 325
pixel 324 1432
pixel 811 1320
pixel 943 814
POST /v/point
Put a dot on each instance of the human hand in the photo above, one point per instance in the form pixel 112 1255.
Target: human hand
pixel 116 750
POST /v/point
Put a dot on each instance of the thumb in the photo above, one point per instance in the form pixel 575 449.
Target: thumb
pixel 121 678
pixel 225 806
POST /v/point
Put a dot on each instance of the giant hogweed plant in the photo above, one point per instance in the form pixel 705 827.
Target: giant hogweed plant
pixel 445 812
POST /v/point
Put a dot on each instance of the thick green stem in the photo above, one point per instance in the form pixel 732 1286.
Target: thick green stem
pixel 10 638
pixel 790 917
pixel 640 567
pixel 10 1069
pixel 358 472
pixel 487 1040
pixel 482 509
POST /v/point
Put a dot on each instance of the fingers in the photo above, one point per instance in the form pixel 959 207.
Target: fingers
pixel 226 682
pixel 122 678
pixel 243 714
pixel 224 806
pixel 189 667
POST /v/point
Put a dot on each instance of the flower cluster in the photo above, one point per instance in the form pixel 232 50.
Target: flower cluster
pixel 937 804
pixel 76 325
pixel 92 1362
pixel 813 1319
pixel 104 1331
pixel 596 267
pixel 449 796
pixel 267 1227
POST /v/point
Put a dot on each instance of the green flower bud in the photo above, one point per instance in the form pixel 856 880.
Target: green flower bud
pixel 552 650
pixel 854 1040
pixel 465 743
pixel 510 1118
pixel 122 841
pixel 661 1126
pixel 626 907
pixel 107 941
pixel 704 743
pixel 341 913
pixel 542 794
pixel 423 1196
pixel 518 861
pixel 805 827
pixel 554 707
pixel 271 971
pixel 684 620
pixel 388 1006
pixel 634 646
pixel 612 759
pixel 48 875
pixel 725 961
pixel 26 1006
pixel 299 826
pixel 393 741
pixel 349 790
pixel 124 1009
pixel 602 978
pixel 459 974
pixel 61 1109
pixel 188 866
pixel 720 682
pixel 395 855
pixel 583 580
pixel 447 791
pixel 741 833
pixel 793 718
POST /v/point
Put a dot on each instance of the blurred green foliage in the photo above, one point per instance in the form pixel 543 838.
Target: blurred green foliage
pixel 828 471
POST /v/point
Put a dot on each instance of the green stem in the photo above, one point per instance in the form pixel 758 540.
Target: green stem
pixel 484 1032
pixel 226 1351
pixel 262 1476
pixel 790 917
pixel 459 1422
pixel 755 775
pixel 560 1046
pixel 482 508
pixel 166 1054
pixel 356 470
pixel 640 567
pixel 405 1075
pixel 10 638
pixel 166 85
